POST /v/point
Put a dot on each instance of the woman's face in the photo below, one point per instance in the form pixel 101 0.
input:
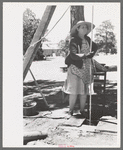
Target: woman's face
pixel 82 30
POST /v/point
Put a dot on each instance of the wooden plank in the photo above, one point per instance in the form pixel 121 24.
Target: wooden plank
pixel 88 128
pixel 109 119
pixel 112 68
pixel 32 50
pixel 73 121
pixel 108 125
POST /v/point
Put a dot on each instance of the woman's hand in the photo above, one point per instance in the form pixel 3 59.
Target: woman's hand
pixel 90 55
pixel 83 56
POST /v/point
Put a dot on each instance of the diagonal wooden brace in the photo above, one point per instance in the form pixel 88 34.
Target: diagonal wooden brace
pixel 39 89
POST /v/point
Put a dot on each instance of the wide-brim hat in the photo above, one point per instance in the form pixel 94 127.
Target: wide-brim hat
pixel 89 24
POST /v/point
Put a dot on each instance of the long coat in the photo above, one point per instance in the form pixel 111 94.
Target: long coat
pixel 72 58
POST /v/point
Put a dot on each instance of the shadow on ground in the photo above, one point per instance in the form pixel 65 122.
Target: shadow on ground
pixel 102 105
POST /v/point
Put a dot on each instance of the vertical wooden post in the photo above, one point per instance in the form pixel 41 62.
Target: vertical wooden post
pixel 32 50
pixel 77 14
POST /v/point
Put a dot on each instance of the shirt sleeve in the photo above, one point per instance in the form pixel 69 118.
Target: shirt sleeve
pixel 74 50
pixel 94 48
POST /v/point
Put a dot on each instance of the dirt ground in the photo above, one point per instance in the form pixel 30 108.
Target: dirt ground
pixel 50 122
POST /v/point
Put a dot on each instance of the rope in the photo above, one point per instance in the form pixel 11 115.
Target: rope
pixel 50 30
pixel 90 67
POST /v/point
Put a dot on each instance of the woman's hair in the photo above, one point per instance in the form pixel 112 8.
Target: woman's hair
pixel 76 31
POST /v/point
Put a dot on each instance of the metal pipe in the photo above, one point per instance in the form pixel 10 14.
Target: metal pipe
pixel 91 68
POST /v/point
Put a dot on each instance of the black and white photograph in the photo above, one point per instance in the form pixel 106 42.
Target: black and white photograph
pixel 61 68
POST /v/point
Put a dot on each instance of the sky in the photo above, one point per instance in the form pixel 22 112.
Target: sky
pixel 102 12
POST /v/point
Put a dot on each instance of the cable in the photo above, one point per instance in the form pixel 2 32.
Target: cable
pixel 50 30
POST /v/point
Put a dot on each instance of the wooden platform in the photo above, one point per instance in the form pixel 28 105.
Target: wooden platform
pixel 74 121
pixel 107 124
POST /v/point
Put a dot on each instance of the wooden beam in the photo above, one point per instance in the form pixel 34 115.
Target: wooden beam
pixel 33 135
pixel 32 50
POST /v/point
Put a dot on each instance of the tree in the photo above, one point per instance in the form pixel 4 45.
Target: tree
pixel 30 24
pixel 105 37
pixel 64 46
pixel 61 44
pixel 77 14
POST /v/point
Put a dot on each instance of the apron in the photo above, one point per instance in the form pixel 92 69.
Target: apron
pixel 87 70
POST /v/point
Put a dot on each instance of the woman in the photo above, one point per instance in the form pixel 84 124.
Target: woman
pixel 79 58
